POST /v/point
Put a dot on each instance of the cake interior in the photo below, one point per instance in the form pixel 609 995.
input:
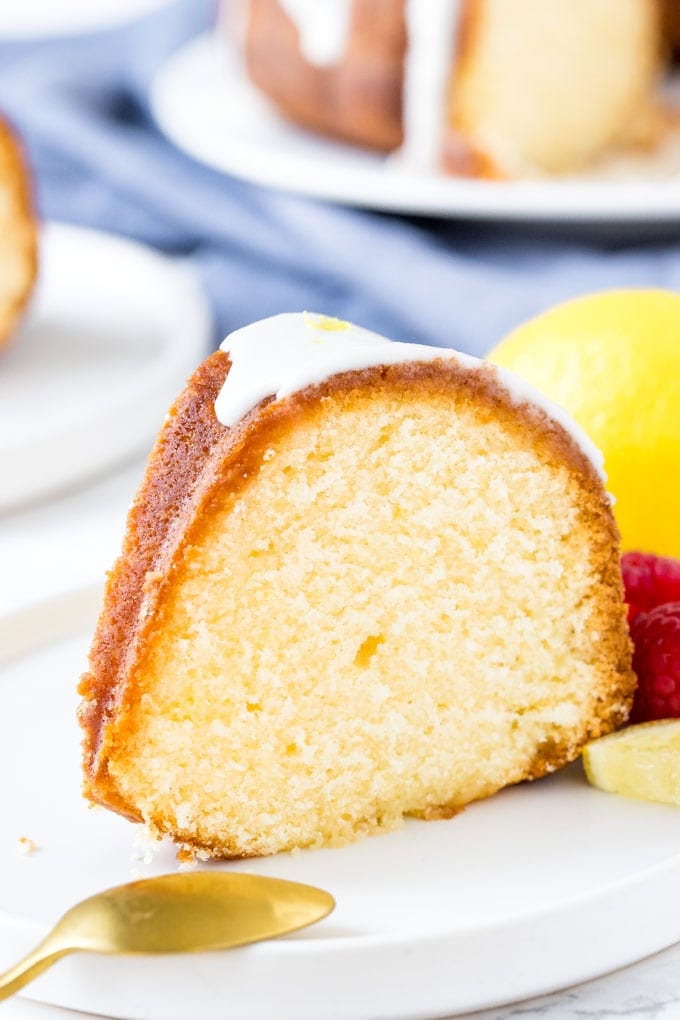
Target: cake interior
pixel 552 85
pixel 397 612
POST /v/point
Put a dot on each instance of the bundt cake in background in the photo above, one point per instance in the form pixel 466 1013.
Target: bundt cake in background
pixel 492 88
pixel 360 580
pixel 18 233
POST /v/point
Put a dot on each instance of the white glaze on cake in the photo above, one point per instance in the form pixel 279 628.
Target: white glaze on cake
pixel 431 33
pixel 432 38
pixel 286 353
pixel 323 27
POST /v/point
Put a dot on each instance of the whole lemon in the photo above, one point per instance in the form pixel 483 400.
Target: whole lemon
pixel 613 360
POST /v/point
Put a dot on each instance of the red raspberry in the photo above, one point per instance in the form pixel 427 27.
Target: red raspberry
pixel 649 581
pixel 656 660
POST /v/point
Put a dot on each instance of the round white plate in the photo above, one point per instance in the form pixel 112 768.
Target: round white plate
pixel 203 102
pixel 27 19
pixel 111 334
pixel 542 886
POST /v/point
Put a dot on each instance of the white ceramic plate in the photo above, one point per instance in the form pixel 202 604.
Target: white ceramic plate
pixel 27 19
pixel 204 103
pixel 111 334
pixel 539 887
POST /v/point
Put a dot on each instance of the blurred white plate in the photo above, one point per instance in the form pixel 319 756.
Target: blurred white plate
pixel 542 886
pixel 110 336
pixel 27 19
pixel 204 103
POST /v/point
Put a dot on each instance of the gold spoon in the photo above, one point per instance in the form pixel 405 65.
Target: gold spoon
pixel 181 913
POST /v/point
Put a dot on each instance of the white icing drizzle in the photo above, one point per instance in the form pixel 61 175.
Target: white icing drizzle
pixel 285 353
pixel 432 32
pixel 323 27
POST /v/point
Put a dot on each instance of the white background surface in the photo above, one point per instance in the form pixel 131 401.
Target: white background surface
pixel 203 102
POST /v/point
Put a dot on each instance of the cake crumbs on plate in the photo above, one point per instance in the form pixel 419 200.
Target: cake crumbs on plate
pixel 146 844
pixel 26 846
pixel 188 857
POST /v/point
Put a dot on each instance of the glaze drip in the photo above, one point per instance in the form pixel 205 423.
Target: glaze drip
pixel 323 27
pixel 286 353
pixel 432 32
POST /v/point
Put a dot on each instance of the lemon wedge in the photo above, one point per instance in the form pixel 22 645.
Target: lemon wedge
pixel 642 761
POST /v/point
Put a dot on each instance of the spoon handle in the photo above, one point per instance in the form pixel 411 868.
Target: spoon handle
pixel 32 966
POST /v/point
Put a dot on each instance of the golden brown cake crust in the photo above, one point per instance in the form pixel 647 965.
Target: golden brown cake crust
pixel 359 99
pixel 184 455
pixel 18 242
pixel 196 457
pixel 671 25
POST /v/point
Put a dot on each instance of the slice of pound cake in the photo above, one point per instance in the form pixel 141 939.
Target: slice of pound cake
pixel 361 580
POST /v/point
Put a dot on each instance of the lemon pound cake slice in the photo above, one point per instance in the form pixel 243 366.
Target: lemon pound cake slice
pixel 361 580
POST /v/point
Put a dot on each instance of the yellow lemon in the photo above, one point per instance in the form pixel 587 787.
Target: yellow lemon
pixel 642 761
pixel 613 360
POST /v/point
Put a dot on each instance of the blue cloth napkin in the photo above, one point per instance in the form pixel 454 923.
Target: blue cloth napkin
pixel 81 106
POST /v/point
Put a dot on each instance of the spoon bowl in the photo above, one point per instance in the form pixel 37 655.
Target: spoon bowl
pixel 181 913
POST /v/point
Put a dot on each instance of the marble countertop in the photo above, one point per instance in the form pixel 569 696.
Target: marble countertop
pixel 71 541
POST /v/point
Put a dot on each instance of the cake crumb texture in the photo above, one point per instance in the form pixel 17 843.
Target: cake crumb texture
pixel 391 594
